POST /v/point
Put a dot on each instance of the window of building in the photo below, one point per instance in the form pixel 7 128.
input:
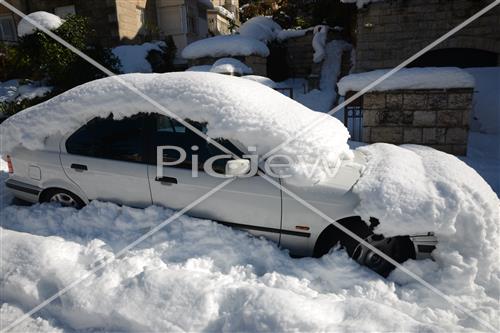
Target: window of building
pixel 7 29
pixel 65 11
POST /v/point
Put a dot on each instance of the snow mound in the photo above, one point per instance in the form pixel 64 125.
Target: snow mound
pixel 261 28
pixel 319 43
pixel 262 80
pixel 223 46
pixel 200 68
pixel 360 3
pixel 413 188
pixel 291 33
pixel 237 109
pixel 230 66
pixel 47 20
pixel 133 57
pixel 13 91
pixel 409 78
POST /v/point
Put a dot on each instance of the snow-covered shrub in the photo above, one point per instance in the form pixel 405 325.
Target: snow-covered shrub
pixel 41 57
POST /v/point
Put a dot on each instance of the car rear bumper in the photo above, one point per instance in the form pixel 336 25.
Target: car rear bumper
pixel 23 190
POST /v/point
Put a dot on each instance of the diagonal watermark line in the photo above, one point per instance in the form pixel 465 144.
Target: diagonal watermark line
pixel 120 253
pixel 377 251
pixel 393 71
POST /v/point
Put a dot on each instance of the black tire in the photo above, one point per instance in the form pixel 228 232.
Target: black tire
pixel 63 197
pixel 332 236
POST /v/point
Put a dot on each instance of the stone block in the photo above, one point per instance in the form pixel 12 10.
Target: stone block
pixel 434 136
pixel 412 135
pixel 407 118
pixel 394 100
pixel 460 101
pixel 437 101
pixel 456 136
pixel 390 117
pixel 387 134
pixel 424 118
pixel 370 117
pixel 414 101
pixel 449 118
pixel 374 101
pixel 366 134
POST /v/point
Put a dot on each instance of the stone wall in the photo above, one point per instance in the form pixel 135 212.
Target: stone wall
pixel 128 12
pixel 436 118
pixel 390 31
pixel 300 55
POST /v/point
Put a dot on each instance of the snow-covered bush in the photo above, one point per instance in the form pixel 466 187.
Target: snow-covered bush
pixel 40 57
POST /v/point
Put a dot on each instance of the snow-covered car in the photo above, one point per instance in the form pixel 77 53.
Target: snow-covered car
pixel 100 142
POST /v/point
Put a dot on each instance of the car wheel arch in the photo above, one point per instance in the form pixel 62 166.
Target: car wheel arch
pixel 56 184
pixel 330 235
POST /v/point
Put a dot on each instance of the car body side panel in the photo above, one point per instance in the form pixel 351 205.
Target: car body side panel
pixel 251 203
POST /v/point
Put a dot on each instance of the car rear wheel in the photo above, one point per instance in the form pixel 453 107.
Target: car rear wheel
pixel 63 197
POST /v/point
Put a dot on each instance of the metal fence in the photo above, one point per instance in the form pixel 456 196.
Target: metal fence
pixel 353 117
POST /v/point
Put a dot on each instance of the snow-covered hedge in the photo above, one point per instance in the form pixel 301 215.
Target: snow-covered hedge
pixel 223 46
pixel 47 20
pixel 230 66
pixel 133 57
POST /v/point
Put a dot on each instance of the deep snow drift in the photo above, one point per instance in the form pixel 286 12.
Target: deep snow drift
pixel 234 108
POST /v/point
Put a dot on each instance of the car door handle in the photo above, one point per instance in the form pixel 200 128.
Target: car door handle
pixel 79 167
pixel 168 180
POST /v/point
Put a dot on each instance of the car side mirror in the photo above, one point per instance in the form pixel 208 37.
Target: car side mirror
pixel 237 167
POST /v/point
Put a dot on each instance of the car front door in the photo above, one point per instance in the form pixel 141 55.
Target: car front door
pixel 106 159
pixel 246 203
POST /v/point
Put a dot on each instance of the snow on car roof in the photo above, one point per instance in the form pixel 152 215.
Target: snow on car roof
pixel 409 78
pixel 234 108
pixel 222 46
pixel 46 20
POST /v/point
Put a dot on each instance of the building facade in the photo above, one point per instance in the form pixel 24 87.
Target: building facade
pixel 224 17
pixel 390 31
pixel 122 21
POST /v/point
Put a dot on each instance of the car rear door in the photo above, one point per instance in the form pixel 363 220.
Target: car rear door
pixel 106 159
pixel 246 203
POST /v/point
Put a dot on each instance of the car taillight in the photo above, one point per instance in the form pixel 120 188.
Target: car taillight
pixel 9 164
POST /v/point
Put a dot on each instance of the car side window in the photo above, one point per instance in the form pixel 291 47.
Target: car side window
pixel 121 140
pixel 170 132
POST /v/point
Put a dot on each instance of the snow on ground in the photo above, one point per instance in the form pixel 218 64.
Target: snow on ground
pixel 245 111
pixel 483 155
pixel 196 275
pixel 262 80
pixel 133 57
pixel 230 66
pixel 227 45
pixel 47 20
pixel 199 68
pixel 409 78
pixel 486 114
pixel 11 91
